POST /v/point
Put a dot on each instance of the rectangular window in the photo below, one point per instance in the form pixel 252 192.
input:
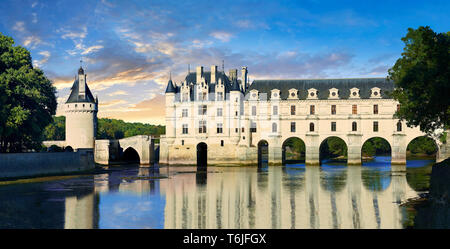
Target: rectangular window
pixel 219 96
pixel 204 96
pixel 221 143
pixel 333 109
pixel 292 126
pixel 202 109
pixel 219 112
pixel 375 126
pixel 253 110
pixel 185 97
pixel 333 126
pixel 275 110
pixel 252 127
pixel 375 109
pixel 312 109
pixel 184 113
pixel 185 129
pixel 354 109
pixel 242 129
pixel 219 128
pixel 202 126
pixel 292 109
pixel 182 142
pixel 236 130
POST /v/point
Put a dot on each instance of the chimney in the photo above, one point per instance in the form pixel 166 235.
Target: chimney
pixel 244 81
pixel 233 74
pixel 199 74
pixel 213 74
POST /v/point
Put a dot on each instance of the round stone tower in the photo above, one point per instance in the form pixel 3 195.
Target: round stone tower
pixel 81 115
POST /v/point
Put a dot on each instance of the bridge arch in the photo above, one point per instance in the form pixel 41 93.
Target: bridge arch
pixel 68 149
pixel 333 147
pixel 202 156
pixel 263 153
pixel 293 150
pixel 378 148
pixel 131 155
pixel 424 146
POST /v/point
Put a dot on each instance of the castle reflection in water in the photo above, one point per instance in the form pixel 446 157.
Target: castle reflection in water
pixel 275 197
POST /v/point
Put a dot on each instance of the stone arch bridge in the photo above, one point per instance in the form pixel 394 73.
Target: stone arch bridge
pixel 141 149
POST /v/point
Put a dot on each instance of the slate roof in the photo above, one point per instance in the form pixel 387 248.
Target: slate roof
pixel 323 85
pixel 75 96
pixel 170 87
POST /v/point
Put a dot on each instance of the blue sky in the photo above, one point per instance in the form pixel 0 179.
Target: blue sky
pixel 129 47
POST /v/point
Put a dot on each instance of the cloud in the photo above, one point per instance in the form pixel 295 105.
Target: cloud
pixel 112 103
pixel 32 41
pixel 222 36
pixel 45 56
pixel 147 111
pixel 71 34
pixel 19 26
pixel 119 92
pixel 91 49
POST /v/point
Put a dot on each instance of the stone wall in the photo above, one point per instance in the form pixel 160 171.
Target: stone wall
pixel 18 165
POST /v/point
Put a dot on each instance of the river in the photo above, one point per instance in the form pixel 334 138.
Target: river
pixel 292 196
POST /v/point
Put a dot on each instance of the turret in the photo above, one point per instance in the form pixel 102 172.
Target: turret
pixel 235 111
pixel 170 112
pixel 81 114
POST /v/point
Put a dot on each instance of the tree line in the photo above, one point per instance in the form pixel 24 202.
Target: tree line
pixel 106 129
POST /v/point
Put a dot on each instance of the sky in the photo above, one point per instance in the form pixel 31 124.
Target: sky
pixel 128 48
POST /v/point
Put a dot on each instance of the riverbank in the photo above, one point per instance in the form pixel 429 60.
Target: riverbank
pixel 433 209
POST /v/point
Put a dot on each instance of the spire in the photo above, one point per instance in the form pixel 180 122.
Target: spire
pixel 170 87
pixel 235 86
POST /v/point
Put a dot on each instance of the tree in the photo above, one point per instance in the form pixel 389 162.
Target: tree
pixel 421 77
pixel 56 130
pixel 27 99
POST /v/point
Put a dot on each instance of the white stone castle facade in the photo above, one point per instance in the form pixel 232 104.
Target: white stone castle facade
pixel 229 118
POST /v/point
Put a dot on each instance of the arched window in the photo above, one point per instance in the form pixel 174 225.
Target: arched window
pixel 399 126
pixel 274 127
pixel 354 126
pixel 311 126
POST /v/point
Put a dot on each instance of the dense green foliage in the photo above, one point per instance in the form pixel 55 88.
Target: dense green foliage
pixel 422 145
pixel 295 149
pixel 333 147
pixel 27 99
pixel 376 146
pixel 56 130
pixel 107 129
pixel 421 77
pixel 116 129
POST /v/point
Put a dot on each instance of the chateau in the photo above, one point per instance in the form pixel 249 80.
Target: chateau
pixel 217 119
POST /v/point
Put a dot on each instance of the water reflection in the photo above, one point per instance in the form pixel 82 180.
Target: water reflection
pixel 295 196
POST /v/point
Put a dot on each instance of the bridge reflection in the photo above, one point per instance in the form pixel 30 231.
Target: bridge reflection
pixel 295 196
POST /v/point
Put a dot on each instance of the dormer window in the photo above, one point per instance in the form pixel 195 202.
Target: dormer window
pixel 293 94
pixel 334 93
pixel 253 95
pixel 375 93
pixel 275 94
pixel 312 93
pixel 354 93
